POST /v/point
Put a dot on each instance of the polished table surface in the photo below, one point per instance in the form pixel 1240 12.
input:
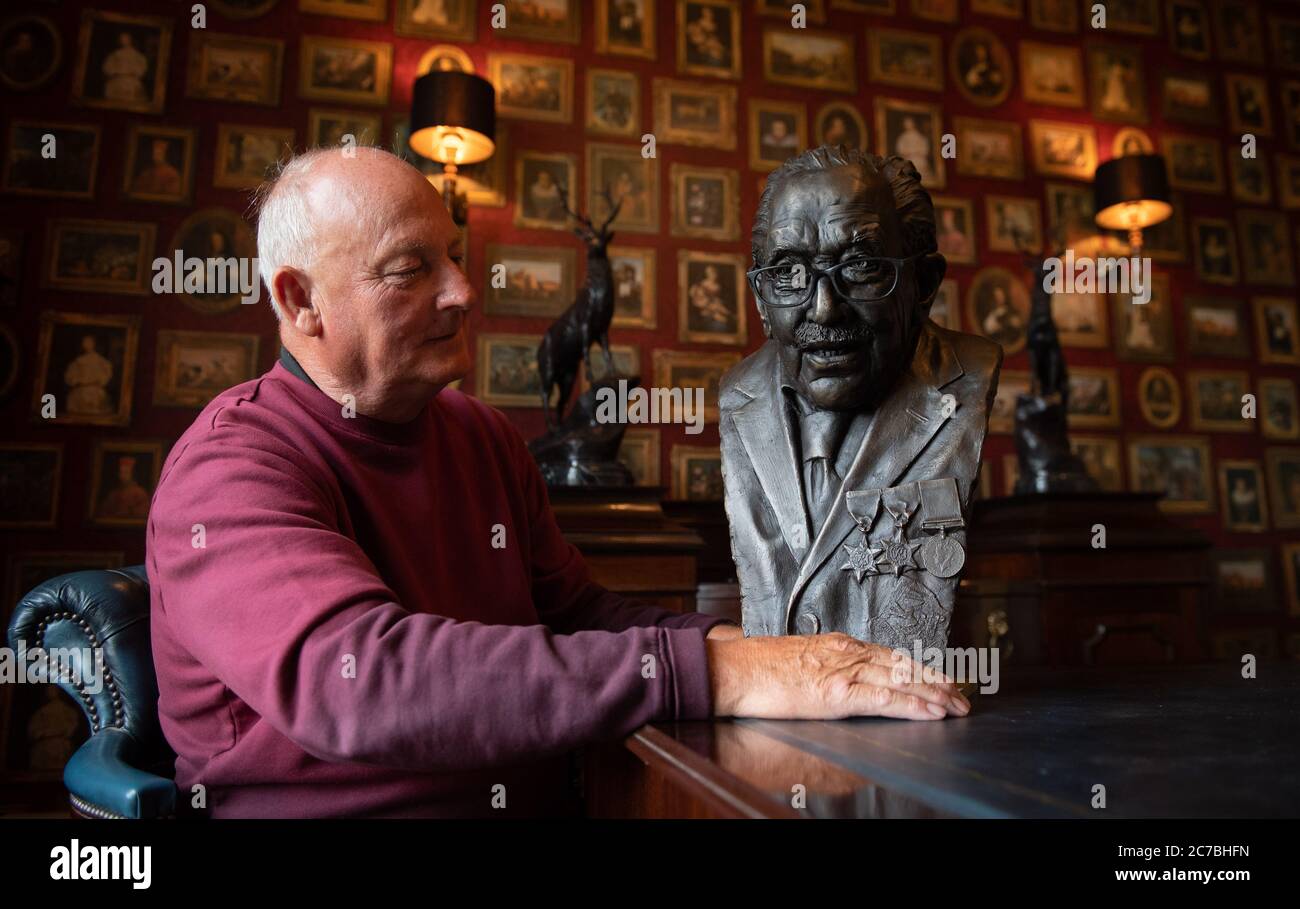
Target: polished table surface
pixel 1169 741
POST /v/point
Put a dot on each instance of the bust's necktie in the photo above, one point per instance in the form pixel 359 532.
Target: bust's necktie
pixel 821 432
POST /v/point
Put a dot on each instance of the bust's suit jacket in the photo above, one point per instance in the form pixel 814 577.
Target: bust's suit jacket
pixel 791 583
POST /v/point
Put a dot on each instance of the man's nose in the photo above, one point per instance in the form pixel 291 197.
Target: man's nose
pixel 458 293
pixel 825 307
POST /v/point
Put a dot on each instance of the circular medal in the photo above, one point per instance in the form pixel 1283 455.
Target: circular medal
pixel 942 556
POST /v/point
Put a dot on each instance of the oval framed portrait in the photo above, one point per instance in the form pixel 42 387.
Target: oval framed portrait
pixel 9 357
pixel 209 237
pixel 997 306
pixel 980 66
pixel 1131 141
pixel 30 52
pixel 1159 398
pixel 444 58
pixel 839 123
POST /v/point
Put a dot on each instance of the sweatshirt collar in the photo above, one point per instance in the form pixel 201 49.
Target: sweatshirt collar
pixel 329 411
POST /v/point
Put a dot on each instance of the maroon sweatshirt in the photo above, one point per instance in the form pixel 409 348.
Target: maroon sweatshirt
pixel 353 617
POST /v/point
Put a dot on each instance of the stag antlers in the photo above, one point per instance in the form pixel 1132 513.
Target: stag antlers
pixel 585 229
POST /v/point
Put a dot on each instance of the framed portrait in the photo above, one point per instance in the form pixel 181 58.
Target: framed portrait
pixel 1159 398
pixel 506 370
pixel 912 131
pixel 1237 27
pixel 1054 15
pixel 839 123
pixel 545 188
pixel 708 38
pixel 1248 109
pixel 705 202
pixel 1063 149
pixel 1285 32
pixel 370 10
pixel 626 28
pixel 1250 179
pixel 780 9
pixel 1278 409
pixel 539 280
pixel 1194 163
pixel 614 102
pixel 1082 319
pixel 1215 246
pixel 695 113
pixel 1167 241
pixel 1144 332
pixel 697 473
pixel 1012 383
pixel 1007 9
pixel 1137 17
pixel 639 453
pixel 450 19
pixel 905 58
pixel 935 10
pixel 1102 459
pixel 1069 215
pixel 1276 331
pixel 1051 74
pixel 1189 97
pixel 124 476
pixel 122 62
pixel 1266 247
pixel 1015 224
pixel 778 130
pixel 1094 397
pixel 627 363
pixel 193 367
pixel 1131 141
pixel 1284 481
pixel 159 163
pixel 621 174
pixel 811 59
pixel 328 128
pixel 1178 466
pixel 635 298
pixel 87 363
pixel 711 292
pixel 445 58
pixel 997 306
pixel 30 473
pixel 532 88
pixel 68 174
pixel 1116 82
pixel 543 20
pixel 103 256
pixel 945 311
pixel 31 52
pixel 1288 181
pixel 1291 569
pixel 1242 579
pixel 1215 398
pixel 688 369
pixel 345 70
pixel 1245 501
pixel 989 148
pixel 1189 28
pixel 980 66
pixel 1216 327
pixel 955 223
pixel 234 68
pixel 218 233
pixel 246 154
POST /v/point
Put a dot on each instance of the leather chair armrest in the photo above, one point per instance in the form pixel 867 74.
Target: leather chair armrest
pixel 103 783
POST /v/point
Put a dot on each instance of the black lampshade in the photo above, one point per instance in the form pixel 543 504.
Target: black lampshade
pixel 453 117
pixel 1131 192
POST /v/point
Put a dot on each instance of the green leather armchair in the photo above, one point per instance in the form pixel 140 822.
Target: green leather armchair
pixel 125 769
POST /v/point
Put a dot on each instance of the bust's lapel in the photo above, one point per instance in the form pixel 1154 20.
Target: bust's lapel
pixel 765 433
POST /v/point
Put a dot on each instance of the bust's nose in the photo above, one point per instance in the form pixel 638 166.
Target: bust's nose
pixel 825 307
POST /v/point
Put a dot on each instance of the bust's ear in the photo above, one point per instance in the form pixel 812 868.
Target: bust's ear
pixel 762 317
pixel 929 275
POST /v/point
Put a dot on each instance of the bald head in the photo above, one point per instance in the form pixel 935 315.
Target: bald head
pixel 363 266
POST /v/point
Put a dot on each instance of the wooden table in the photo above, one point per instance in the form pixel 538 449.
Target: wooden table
pixel 1168 741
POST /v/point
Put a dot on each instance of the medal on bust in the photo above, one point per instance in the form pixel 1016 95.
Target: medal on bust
pixel 941 555
pixel 863 558
pixel 900 553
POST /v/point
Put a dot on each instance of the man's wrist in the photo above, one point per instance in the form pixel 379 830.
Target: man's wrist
pixel 725 631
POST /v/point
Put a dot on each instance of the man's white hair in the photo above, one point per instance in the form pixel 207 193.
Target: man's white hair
pixel 285 229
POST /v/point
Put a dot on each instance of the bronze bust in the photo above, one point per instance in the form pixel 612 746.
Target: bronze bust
pixel 851 439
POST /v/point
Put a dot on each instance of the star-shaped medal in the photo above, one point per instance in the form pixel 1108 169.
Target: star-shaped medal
pixel 862 560
pixel 901 555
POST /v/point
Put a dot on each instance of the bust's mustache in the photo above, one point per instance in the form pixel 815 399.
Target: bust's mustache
pixel 812 336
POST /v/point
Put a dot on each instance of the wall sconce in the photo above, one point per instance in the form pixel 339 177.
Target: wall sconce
pixel 1132 193
pixel 453 122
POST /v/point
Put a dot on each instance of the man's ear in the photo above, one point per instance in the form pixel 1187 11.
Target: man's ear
pixel 929 275
pixel 292 292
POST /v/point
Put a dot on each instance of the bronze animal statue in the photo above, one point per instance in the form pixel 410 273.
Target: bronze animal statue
pixel 568 340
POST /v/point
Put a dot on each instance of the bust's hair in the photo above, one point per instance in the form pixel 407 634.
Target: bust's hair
pixel 911 201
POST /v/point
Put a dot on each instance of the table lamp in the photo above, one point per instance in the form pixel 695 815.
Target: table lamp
pixel 1131 193
pixel 453 122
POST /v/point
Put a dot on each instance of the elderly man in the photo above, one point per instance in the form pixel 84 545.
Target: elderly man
pixel 851 440
pixel 362 604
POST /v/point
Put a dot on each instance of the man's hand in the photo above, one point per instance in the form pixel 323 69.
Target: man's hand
pixel 727 632
pixel 825 677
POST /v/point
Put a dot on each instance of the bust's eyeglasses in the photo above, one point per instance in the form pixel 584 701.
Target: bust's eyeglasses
pixel 792 283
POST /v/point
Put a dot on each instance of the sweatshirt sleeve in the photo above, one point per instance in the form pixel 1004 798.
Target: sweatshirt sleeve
pixel 255 580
